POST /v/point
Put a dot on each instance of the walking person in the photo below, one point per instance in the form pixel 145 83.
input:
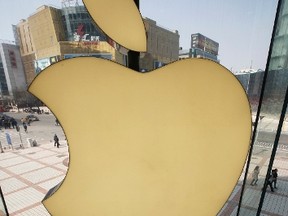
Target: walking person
pixel 274 177
pixel 56 141
pixel 270 180
pixel 269 183
pixel 25 127
pixel 255 175
pixel 28 120
pixel 17 128
pixel 14 123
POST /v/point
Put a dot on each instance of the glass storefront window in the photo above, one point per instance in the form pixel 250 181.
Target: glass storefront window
pixel 238 27
pixel 269 151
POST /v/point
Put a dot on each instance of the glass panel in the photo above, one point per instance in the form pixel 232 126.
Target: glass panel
pixel 274 94
pixel 236 34
pixel 3 207
pixel 280 186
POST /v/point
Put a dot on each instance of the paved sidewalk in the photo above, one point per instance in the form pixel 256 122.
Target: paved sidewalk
pixel 270 124
pixel 275 204
pixel 27 174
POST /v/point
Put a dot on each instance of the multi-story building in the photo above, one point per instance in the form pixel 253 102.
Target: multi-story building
pixel 204 46
pixel 279 56
pixel 52 34
pixel 78 25
pixel 39 38
pixel 196 53
pixel 46 30
pixel 201 47
pixel 12 78
pixel 27 49
pixel 162 46
pixel 252 83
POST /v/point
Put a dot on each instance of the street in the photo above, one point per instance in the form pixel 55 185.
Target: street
pixel 42 131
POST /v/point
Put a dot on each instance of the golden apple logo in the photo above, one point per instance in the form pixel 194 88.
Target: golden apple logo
pixel 165 143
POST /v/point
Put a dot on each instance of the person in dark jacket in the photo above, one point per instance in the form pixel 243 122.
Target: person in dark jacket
pixel 14 123
pixel 25 127
pixel 274 177
pixel 56 141
pixel 269 183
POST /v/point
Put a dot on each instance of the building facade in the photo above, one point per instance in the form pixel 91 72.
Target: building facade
pixel 279 56
pixel 162 46
pixel 46 37
pixel 196 53
pixel 12 78
pixel 201 47
pixel 268 148
pixel 52 34
pixel 27 49
pixel 46 30
pixel 204 47
pixel 78 25
pixel 252 84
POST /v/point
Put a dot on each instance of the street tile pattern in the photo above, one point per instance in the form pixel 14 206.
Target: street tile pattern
pixel 274 202
pixel 27 174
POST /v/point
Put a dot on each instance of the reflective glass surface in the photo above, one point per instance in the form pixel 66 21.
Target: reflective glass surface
pixel 265 144
pixel 236 34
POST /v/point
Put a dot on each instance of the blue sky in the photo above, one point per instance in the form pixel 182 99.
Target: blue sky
pixel 241 27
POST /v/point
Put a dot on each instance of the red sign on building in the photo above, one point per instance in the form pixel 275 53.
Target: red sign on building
pixel 12 58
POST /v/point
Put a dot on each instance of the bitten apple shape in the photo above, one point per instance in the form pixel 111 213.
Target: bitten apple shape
pixel 168 142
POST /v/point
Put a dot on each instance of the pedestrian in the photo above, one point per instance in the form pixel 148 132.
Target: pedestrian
pixel 14 123
pixel 6 124
pixel 25 127
pixel 28 121
pixel 270 180
pixel 269 183
pixel 56 141
pixel 255 175
pixel 274 177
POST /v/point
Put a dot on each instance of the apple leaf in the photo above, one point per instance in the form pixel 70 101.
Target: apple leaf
pixel 120 20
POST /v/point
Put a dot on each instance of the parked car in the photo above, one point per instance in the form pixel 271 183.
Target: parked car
pixel 32 118
pixel 31 110
pixel 4 116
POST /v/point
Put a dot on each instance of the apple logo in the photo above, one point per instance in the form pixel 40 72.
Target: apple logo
pixel 169 142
